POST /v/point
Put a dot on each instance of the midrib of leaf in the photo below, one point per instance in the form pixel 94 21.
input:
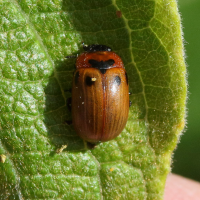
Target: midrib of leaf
pixel 143 85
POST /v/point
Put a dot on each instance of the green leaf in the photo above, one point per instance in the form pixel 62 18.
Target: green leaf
pixel 35 37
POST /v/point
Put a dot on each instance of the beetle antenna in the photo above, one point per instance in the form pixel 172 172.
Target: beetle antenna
pixel 84 45
pixel 72 56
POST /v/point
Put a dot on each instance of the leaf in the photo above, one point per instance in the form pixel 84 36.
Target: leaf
pixel 35 37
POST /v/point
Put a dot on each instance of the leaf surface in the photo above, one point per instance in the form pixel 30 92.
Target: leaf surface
pixel 35 82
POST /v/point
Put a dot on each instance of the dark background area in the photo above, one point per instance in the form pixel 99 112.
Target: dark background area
pixel 187 155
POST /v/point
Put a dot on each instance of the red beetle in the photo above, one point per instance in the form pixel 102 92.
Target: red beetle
pixel 100 94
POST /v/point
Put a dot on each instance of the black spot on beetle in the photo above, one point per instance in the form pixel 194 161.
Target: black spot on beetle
pixel 102 65
pixel 76 77
pixel 88 81
pixel 93 62
pixel 117 80
pixel 126 78
pixel 103 71
pixel 110 62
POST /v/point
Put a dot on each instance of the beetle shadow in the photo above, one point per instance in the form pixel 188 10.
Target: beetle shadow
pixel 57 90
pixel 57 116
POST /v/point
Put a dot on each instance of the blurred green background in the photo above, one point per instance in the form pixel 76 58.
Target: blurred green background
pixel 187 155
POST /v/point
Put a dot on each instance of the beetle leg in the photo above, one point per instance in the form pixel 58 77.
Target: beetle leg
pixel 130 102
pixel 69 103
pixel 83 44
pixel 72 56
pixel 91 145
pixel 68 90
pixel 68 122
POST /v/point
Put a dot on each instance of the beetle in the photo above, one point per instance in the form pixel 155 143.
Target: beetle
pixel 100 94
